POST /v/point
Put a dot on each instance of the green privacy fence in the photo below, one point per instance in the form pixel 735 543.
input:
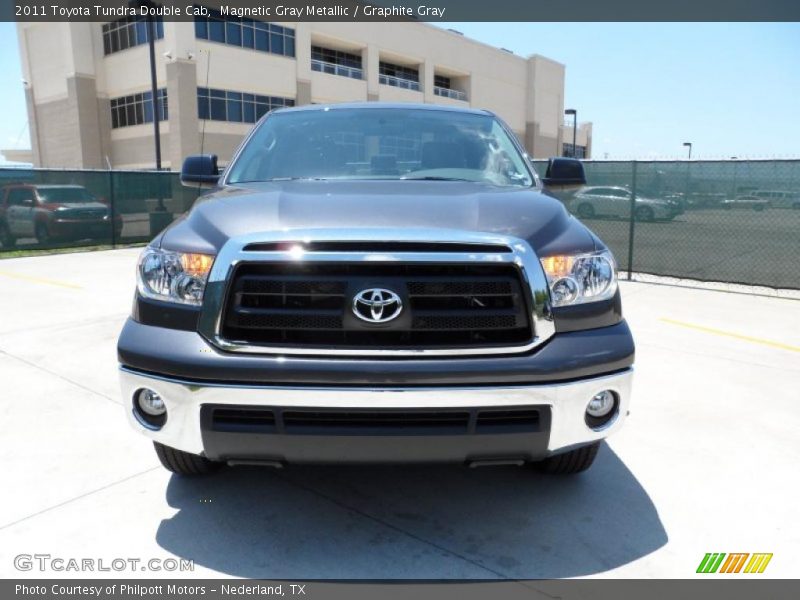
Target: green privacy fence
pixel 732 221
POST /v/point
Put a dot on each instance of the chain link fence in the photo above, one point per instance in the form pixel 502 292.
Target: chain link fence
pixel 46 209
pixel 732 221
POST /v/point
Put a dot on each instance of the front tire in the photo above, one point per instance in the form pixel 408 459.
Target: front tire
pixel 570 463
pixel 645 213
pixel 6 239
pixel 42 234
pixel 184 463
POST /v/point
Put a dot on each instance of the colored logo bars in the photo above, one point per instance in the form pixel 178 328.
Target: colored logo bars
pixel 718 563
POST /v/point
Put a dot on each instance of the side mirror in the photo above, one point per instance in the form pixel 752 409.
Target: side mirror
pixel 200 170
pixel 564 173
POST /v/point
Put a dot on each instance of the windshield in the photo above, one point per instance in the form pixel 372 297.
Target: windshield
pixel 372 143
pixel 65 195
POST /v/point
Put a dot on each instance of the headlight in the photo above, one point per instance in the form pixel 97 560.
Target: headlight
pixel 173 276
pixel 580 278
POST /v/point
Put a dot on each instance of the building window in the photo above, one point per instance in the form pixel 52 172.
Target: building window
pixel 398 76
pixel 245 33
pixel 128 32
pixel 443 86
pixel 236 107
pixel 137 109
pixel 441 81
pixel 577 151
pixel 336 62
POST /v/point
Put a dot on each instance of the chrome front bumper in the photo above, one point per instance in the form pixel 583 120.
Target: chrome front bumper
pixel 567 403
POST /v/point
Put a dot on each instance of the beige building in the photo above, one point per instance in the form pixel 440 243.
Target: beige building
pixel 88 84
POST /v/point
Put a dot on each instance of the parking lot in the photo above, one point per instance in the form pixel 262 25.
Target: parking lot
pixel 742 246
pixel 707 461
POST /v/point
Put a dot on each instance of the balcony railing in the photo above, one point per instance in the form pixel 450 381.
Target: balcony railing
pixel 406 84
pixel 334 69
pixel 448 93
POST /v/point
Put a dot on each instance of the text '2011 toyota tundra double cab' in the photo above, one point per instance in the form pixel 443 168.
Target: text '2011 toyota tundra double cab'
pixel 377 283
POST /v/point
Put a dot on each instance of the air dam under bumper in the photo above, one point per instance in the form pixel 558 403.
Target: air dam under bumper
pixel 301 431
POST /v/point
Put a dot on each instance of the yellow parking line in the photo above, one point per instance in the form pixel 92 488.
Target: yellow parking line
pixel 41 280
pixel 737 336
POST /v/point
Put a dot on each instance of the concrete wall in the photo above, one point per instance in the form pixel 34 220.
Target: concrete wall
pixel 545 94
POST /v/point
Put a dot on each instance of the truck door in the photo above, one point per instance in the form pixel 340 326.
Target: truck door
pixel 20 212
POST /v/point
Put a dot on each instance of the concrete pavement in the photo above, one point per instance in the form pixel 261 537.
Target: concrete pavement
pixel 707 461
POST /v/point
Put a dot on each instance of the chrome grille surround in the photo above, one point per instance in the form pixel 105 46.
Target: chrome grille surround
pixel 233 253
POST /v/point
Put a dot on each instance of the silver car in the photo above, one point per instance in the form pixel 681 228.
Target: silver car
pixel 778 198
pixel 611 201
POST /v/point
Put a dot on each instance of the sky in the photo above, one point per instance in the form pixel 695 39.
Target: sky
pixel 732 89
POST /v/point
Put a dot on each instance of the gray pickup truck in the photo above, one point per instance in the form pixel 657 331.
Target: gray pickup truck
pixel 377 283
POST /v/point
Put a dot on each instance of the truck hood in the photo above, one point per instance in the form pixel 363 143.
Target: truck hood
pixel 76 206
pixel 251 208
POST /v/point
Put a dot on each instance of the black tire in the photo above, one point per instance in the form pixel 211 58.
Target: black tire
pixel 796 206
pixel 6 239
pixel 42 234
pixel 184 463
pixel 586 211
pixel 569 463
pixel 644 213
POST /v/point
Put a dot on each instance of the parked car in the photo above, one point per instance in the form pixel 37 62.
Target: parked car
pixel 752 202
pixel 610 201
pixel 778 198
pixel 677 201
pixel 52 213
pixel 377 283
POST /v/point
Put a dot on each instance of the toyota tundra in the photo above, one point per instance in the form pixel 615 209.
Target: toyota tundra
pixel 377 283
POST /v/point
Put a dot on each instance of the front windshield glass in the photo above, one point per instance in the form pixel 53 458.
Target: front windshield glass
pixel 373 143
pixel 65 195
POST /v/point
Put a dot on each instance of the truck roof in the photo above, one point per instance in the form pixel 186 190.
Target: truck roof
pixel 385 105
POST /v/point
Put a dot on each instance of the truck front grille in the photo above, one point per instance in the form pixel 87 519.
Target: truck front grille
pixel 310 305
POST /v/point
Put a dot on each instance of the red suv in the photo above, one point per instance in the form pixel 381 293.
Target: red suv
pixel 53 212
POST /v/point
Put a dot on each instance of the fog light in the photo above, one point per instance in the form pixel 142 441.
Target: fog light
pixel 149 408
pixel 151 403
pixel 601 409
pixel 601 404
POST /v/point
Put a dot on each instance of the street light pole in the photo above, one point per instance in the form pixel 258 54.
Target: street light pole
pixel 574 113
pixel 151 39
pixel 688 176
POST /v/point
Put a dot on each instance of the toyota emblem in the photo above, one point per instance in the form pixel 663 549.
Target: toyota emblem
pixel 376 305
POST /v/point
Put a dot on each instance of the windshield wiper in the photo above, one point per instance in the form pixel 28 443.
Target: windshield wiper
pixel 435 178
pixel 295 179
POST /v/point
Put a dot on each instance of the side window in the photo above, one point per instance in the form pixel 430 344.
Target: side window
pixel 21 197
